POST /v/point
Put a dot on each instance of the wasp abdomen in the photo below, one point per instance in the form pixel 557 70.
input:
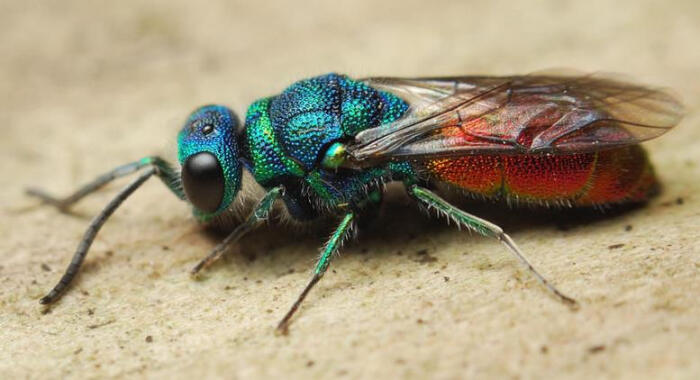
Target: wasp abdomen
pixel 582 179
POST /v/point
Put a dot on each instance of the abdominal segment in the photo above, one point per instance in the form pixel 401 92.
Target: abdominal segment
pixel 584 179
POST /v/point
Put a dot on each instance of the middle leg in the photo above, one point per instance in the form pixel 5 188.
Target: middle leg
pixel 333 244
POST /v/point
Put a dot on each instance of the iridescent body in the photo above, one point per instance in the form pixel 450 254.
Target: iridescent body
pixel 325 146
pixel 286 139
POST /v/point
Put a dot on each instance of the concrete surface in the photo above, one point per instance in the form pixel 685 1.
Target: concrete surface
pixel 86 86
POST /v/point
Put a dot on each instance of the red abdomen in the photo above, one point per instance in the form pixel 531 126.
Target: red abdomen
pixel 583 179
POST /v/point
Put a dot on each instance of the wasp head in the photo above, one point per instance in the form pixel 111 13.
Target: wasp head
pixel 208 153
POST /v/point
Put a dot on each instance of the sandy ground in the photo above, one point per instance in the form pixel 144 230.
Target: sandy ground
pixel 86 86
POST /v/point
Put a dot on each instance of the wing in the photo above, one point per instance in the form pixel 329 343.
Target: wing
pixel 536 113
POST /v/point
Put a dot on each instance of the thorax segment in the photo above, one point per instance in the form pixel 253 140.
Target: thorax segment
pixel 285 136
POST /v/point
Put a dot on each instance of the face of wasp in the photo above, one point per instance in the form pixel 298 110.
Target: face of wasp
pixel 208 154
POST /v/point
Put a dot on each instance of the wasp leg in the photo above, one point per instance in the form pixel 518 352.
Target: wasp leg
pixel 157 166
pixel 164 171
pixel 333 244
pixel 259 214
pixel 485 228
pixel 90 234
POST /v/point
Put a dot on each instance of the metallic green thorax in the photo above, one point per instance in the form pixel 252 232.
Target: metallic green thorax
pixel 297 138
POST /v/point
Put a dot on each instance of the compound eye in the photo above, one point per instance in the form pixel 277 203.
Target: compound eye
pixel 203 180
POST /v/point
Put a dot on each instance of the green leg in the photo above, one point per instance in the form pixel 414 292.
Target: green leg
pixel 333 244
pixel 259 214
pixel 155 166
pixel 163 170
pixel 485 228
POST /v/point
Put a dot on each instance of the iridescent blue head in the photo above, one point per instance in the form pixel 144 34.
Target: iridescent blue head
pixel 208 153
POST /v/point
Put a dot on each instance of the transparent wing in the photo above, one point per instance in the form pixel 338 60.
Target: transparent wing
pixel 521 114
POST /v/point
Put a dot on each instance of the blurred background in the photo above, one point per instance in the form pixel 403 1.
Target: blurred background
pixel 86 86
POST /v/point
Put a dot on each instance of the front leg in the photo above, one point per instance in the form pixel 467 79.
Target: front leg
pixel 155 166
pixel 162 169
pixel 485 228
pixel 259 214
